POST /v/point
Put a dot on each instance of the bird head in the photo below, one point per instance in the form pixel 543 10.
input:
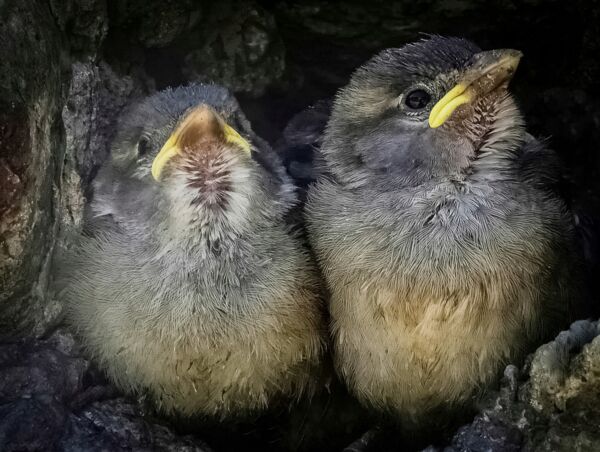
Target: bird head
pixel 425 111
pixel 187 159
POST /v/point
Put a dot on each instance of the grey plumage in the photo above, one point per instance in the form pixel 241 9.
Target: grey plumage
pixel 193 289
pixel 447 250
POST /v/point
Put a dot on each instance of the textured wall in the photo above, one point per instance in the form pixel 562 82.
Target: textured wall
pixel 33 80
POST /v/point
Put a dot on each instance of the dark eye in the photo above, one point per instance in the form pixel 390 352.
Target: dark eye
pixel 417 99
pixel 143 146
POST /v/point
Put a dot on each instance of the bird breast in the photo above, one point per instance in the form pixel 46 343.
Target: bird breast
pixel 432 290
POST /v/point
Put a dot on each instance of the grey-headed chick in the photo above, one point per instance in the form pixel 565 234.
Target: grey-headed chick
pixel 187 284
pixel 439 230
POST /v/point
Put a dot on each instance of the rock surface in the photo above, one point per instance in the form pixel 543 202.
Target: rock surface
pixel 32 94
pixel 246 35
pixel 96 97
pixel 553 404
pixel 49 402
pixel 233 43
pixel 51 398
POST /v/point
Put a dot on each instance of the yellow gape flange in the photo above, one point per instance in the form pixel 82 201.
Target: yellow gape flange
pixel 201 121
pixel 441 111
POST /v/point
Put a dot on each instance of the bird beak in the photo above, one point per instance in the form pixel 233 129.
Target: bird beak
pixel 200 124
pixel 489 70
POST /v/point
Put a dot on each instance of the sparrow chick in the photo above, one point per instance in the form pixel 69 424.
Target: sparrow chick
pixel 439 231
pixel 187 284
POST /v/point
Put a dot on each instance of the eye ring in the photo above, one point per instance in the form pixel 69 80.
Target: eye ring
pixel 417 99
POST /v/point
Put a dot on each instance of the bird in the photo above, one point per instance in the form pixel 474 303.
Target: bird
pixel 187 286
pixel 440 229
pixel 300 139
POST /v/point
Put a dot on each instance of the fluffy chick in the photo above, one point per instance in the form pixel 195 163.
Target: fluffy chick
pixel 187 284
pixel 444 243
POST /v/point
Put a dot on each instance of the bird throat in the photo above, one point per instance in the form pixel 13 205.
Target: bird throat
pixel 491 123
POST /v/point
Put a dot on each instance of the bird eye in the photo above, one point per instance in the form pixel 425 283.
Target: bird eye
pixel 417 99
pixel 143 146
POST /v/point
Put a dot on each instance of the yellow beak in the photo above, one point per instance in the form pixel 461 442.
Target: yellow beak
pixel 167 152
pixel 490 70
pixel 447 104
pixel 202 122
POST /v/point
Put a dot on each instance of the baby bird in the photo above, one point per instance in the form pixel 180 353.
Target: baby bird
pixel 442 238
pixel 187 284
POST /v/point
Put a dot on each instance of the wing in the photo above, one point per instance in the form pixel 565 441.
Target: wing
pixel 301 142
pixel 542 166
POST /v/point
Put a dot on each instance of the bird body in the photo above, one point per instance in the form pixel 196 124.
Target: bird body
pixel 446 251
pixel 191 288
pixel 432 292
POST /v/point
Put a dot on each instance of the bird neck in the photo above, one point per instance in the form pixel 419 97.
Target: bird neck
pixel 499 148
